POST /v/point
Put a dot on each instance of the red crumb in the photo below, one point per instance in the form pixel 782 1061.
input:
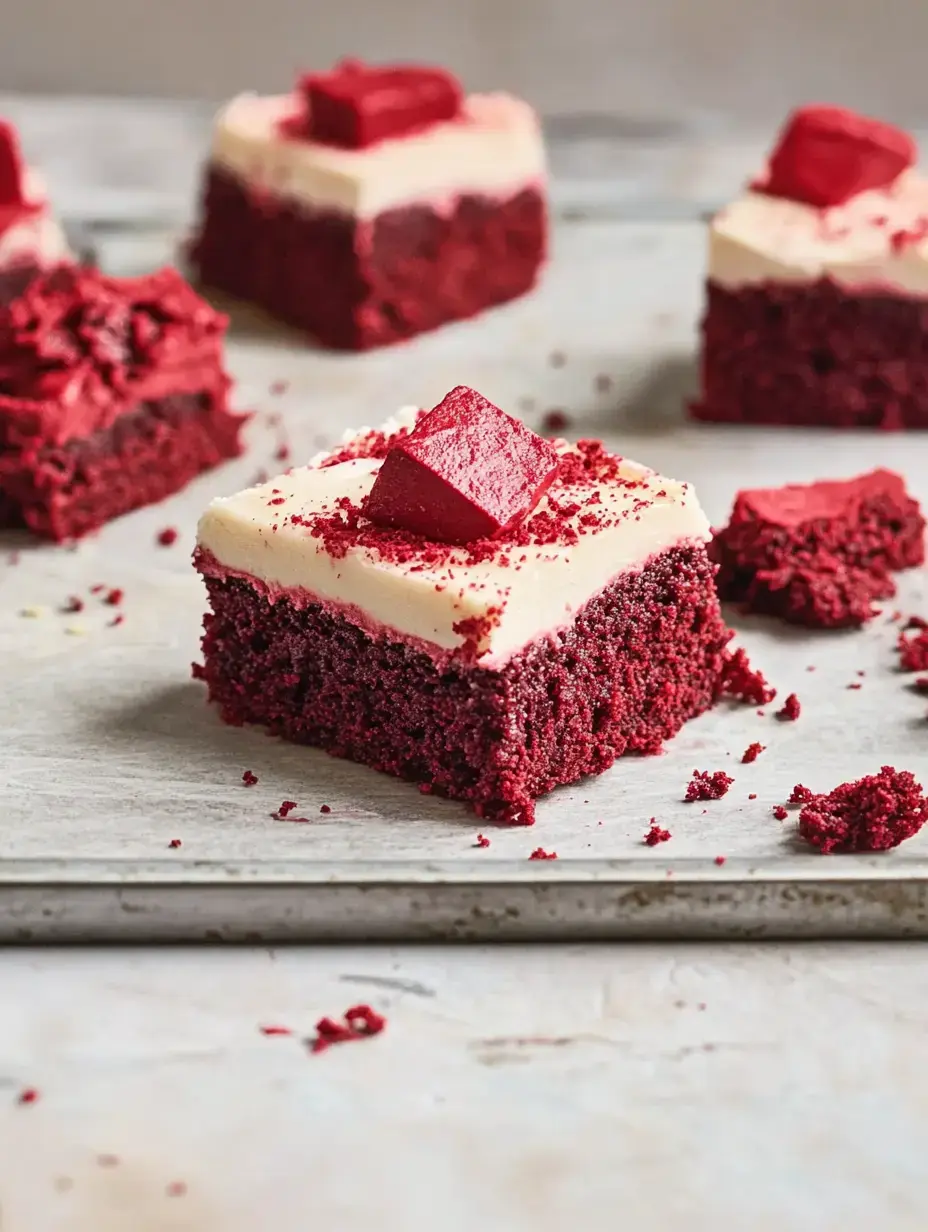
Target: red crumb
pixel 360 1022
pixel 175 843
pixel 167 536
pixel 28 1095
pixel 779 812
pixel 482 841
pixel 325 809
pixel 790 710
pixel 540 854
pixel 74 604
pixel 283 453
pixel 656 835
pixel 913 649
pixel 855 685
pixel 801 795
pixel 286 807
pixel 279 387
pixel 114 597
pixel 874 813
pixel 557 359
pixel 275 1030
pixel 740 682
pixel 753 795
pixel 752 752
pixel 920 684
pixel 707 786
pixel 249 779
pixel 98 589
pixel 117 620
pixel 720 860
pixel 176 1189
pixel 555 421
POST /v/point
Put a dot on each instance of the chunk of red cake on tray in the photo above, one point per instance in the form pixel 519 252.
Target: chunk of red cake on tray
pixel 373 203
pixel 457 601
pixel 819 554
pixel 30 238
pixel 113 395
pixel 817 292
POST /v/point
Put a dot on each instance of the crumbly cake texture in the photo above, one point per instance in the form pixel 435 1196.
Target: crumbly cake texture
pixel 819 554
pixel 356 278
pixel 874 813
pixel 112 396
pixel 642 656
pixel 817 289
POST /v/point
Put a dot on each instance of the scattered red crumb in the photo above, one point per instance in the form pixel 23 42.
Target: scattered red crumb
pixel 98 589
pixel 360 1022
pixel 108 1161
pixel 117 620
pixel 249 779
pixel 920 684
pixel 175 843
pixel 741 682
pixel 753 795
pixel 555 421
pixel 861 672
pixel 810 669
pixel 272 1030
pixel 283 453
pixel 279 387
pixel 325 808
pixel 752 752
pixel 176 1189
pixel 114 597
pixel 656 835
pixel 167 536
pixel 720 860
pixel 790 710
pixel 74 604
pixel 482 841
pixel 913 650
pixel 855 685
pixel 707 786
pixel 874 813
pixel 540 854
pixel 557 359
pixel 780 812
pixel 286 808
pixel 801 795
pixel 28 1095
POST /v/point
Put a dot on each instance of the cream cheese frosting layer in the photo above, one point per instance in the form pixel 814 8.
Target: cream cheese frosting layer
pixel 35 237
pixel 495 149
pixel 878 239
pixel 520 594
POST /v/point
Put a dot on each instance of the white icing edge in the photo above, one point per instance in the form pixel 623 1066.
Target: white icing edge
pixel 760 238
pixel 542 597
pixel 495 150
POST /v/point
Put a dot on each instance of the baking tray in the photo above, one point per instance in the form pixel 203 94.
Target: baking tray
pixel 109 751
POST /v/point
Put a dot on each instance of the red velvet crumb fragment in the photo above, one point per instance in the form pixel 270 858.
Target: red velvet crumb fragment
pixel 249 779
pixel 98 589
pixel 912 645
pixel 174 844
pixel 176 1189
pixel 740 682
pixel 855 684
pixel 28 1095
pixel 780 812
pixel 707 786
pixel 279 387
pixel 74 604
pixel 555 421
pixel 873 813
pixel 360 1022
pixel 482 841
pixel 286 808
pixel 540 854
pixel 325 809
pixel 282 453
pixel 920 684
pixel 275 1030
pixel 790 710
pixel 656 835
pixel 114 597
pixel 752 795
pixel 720 860
pixel 167 536
pixel 752 752
pixel 801 794
pixel 116 621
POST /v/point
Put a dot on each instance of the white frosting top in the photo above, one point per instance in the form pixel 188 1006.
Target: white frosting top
pixel 877 239
pixel 537 591
pixel 495 149
pixel 36 237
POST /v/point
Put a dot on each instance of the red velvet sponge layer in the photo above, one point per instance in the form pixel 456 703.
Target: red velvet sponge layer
pixel 64 491
pixel 640 659
pixel 356 284
pixel 814 355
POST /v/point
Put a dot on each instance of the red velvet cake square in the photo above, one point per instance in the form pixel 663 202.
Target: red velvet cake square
pixel 486 669
pixel 817 293
pixel 30 238
pixel 373 203
pixel 112 396
pixel 819 554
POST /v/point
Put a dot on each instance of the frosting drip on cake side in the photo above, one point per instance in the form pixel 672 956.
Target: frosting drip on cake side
pixel 298 535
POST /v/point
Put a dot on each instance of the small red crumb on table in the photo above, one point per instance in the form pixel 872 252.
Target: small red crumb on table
pixel 874 813
pixel 174 844
pixel 706 785
pixel 325 808
pixel 285 809
pixel 720 860
pixel 249 779
pixel 114 597
pixel 360 1022
pixel 752 752
pixel 176 1189
pixel 779 812
pixel 790 710
pixel 555 421
pixel 540 854
pixel 656 835
pixel 482 841
pixel 167 536
pixel 28 1095
pixel 912 645
pixel 116 621
pixel 801 794
pixel 742 683
pixel 275 1030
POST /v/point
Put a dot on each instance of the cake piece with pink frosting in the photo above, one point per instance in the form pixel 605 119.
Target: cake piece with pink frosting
pixel 817 294
pixel 30 238
pixel 373 203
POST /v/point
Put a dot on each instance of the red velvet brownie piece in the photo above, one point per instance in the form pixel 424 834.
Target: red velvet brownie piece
pixel 30 238
pixel 817 292
pixel 112 396
pixel 373 203
pixel 819 554
pixel 490 671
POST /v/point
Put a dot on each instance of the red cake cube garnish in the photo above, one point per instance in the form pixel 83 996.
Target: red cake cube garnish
pixel 356 105
pixel 12 185
pixel 826 155
pixel 467 471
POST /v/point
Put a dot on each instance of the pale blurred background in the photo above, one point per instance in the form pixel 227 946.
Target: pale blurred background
pixel 705 61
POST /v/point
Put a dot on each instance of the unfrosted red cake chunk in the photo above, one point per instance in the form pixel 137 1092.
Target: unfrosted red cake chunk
pixel 356 105
pixel 466 471
pixel 819 554
pixel 826 155
pixel 874 813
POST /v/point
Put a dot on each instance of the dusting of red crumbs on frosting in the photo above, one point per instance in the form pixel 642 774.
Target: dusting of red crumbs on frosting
pixel 174 844
pixel 801 794
pixel 540 854
pixel 707 786
pixel 790 710
pixel 482 841
pixel 873 813
pixel 742 683
pixel 167 537
pixel 752 752
pixel 249 779
pixel 656 835
pixel 28 1095
pixel 360 1022
pixel 780 812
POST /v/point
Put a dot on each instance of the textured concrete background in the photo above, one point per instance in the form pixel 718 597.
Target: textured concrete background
pixel 734 60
